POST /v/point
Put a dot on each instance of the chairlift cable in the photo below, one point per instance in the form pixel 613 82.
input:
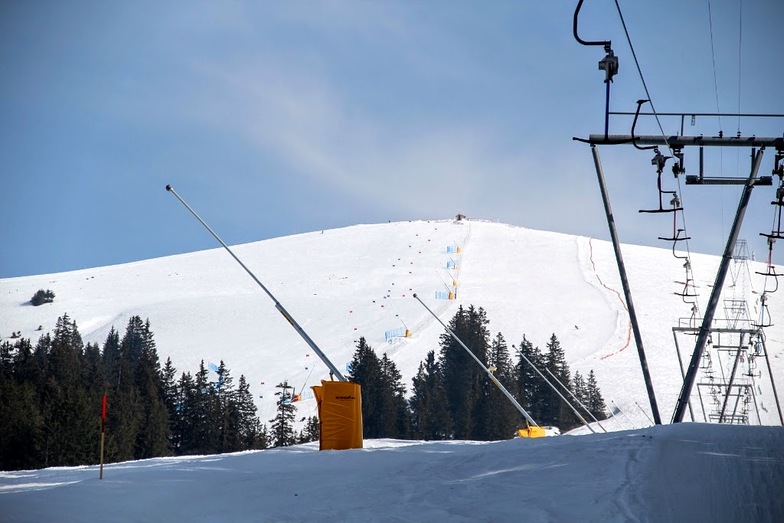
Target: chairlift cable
pixel 642 78
pixel 656 116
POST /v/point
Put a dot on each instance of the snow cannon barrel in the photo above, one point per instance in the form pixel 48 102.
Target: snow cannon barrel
pixel 168 187
pixel 340 415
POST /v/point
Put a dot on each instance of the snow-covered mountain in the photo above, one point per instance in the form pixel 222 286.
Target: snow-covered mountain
pixel 359 281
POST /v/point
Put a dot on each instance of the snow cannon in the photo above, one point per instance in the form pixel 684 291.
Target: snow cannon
pixel 339 402
pixel 340 414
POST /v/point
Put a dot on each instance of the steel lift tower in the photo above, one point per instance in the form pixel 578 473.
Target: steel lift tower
pixel 677 145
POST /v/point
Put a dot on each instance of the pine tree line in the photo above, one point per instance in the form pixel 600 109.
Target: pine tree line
pixel 51 396
pixel 51 402
pixel 452 397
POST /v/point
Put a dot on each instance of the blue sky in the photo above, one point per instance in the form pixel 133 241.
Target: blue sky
pixel 275 118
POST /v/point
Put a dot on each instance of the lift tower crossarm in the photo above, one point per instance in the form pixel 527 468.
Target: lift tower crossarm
pixel 684 141
pixel 333 370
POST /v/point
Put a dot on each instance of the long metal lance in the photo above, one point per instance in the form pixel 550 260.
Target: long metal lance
pixel 278 306
pixel 576 413
pixel 580 403
pixel 487 371
pixel 643 412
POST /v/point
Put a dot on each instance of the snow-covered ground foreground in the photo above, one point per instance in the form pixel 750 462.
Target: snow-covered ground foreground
pixel 684 472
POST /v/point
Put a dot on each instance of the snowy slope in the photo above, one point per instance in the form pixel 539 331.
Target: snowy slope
pixel 358 281
pixel 684 472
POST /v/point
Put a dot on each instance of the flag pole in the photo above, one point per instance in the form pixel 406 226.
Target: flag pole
pixel 103 431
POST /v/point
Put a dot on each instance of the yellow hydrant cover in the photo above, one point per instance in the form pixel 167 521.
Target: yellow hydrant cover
pixel 340 415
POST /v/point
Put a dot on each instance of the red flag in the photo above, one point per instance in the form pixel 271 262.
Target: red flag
pixel 103 407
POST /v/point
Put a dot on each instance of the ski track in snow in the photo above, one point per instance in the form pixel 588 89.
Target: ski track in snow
pixel 630 500
pixel 622 313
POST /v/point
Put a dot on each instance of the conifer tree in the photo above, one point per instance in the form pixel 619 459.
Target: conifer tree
pixel 6 361
pixel 529 386
pixel 152 438
pixel 283 422
pixel 594 400
pixel 463 379
pixel 198 435
pixel 133 342
pixel 311 430
pixel 578 388
pixel 204 434
pixel 93 371
pixel 28 367
pixel 111 359
pixel 384 406
pixel 170 396
pixel 228 414
pixel 21 420
pixel 558 412
pixel 396 417
pixel 183 437
pixel 429 411
pixel 250 429
pixel 123 403
pixel 69 422
pixel 264 439
pixel 366 370
pixel 498 418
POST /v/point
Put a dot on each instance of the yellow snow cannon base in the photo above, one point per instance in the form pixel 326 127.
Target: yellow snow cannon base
pixel 531 432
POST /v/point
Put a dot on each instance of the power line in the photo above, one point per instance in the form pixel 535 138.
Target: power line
pixel 740 54
pixel 713 59
pixel 718 109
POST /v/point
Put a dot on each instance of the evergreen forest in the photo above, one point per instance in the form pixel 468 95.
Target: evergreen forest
pixel 52 394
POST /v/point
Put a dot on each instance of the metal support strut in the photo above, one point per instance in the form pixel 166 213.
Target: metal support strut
pixel 705 330
pixel 332 369
pixel 625 282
